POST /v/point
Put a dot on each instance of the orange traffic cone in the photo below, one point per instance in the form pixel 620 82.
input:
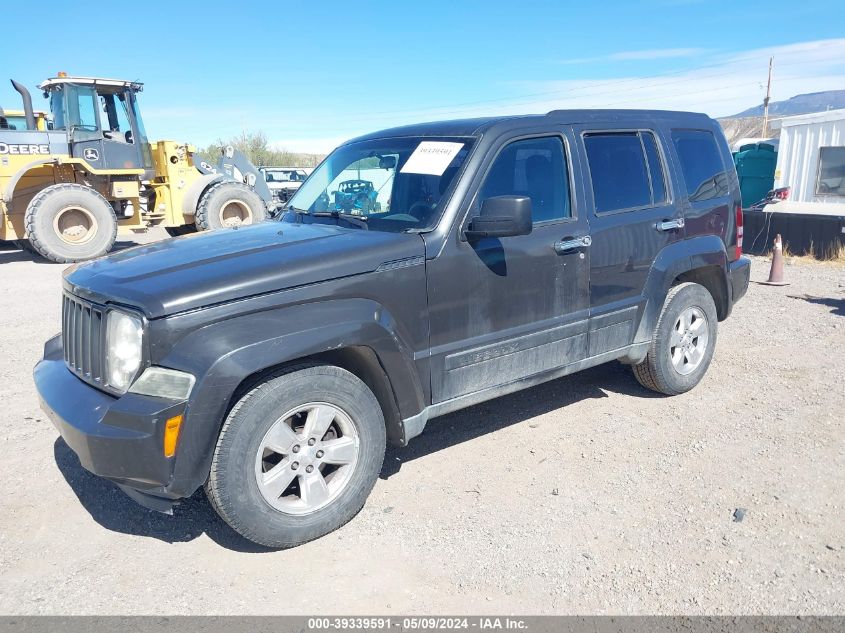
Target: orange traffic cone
pixel 776 272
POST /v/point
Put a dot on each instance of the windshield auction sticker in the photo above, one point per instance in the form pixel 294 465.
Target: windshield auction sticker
pixel 431 158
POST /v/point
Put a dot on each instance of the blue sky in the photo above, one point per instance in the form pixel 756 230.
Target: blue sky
pixel 311 74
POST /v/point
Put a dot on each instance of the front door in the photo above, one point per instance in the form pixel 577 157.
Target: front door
pixel 101 133
pixel 506 309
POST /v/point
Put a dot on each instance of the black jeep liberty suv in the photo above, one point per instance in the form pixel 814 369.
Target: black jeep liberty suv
pixel 272 363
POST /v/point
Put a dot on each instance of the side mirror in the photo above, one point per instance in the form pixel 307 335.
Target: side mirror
pixel 501 216
pixel 387 162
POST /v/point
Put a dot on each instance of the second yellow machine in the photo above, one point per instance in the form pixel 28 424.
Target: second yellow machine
pixel 65 191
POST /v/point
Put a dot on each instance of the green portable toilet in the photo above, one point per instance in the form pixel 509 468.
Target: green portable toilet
pixel 755 166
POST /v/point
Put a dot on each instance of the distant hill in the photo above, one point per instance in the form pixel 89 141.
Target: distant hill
pixel 744 127
pixel 799 104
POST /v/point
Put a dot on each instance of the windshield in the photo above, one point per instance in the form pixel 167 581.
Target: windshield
pixel 284 175
pixel 394 184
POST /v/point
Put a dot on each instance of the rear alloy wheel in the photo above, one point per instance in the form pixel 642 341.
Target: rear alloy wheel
pixel 229 205
pixel 70 223
pixel 297 456
pixel 683 342
pixel 688 340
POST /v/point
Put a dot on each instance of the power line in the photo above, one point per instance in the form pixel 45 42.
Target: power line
pixel 521 100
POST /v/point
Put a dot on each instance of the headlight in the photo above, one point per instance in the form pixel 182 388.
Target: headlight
pixel 124 337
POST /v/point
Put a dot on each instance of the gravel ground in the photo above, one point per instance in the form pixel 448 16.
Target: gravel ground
pixel 584 495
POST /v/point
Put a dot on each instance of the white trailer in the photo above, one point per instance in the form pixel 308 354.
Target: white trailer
pixel 811 162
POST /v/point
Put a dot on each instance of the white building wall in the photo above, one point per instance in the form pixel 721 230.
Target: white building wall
pixel 798 160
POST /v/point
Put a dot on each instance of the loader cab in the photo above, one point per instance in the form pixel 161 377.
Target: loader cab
pixel 102 121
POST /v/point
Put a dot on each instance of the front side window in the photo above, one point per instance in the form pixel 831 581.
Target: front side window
pixel 391 184
pixel 831 172
pixel 701 164
pixel 114 118
pixel 536 168
pixel 82 108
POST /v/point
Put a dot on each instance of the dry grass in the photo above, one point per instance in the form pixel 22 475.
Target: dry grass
pixel 833 254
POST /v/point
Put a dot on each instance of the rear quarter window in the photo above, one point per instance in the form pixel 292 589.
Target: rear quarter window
pixel 701 164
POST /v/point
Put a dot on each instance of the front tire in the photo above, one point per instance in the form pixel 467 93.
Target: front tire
pixel 683 342
pixel 297 456
pixel 70 223
pixel 229 204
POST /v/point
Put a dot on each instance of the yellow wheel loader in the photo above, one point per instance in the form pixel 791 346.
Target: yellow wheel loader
pixel 66 191
pixel 16 120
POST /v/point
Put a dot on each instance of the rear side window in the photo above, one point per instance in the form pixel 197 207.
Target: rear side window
pixel 701 164
pixel 626 170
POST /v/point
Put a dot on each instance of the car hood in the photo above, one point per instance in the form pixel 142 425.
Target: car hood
pixel 208 268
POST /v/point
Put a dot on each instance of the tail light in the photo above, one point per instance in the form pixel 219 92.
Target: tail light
pixel 739 231
pixel 782 193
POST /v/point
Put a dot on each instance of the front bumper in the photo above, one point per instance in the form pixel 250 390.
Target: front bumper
pixel 120 439
pixel 740 275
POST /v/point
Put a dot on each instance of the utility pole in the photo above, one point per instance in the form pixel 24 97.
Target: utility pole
pixel 766 100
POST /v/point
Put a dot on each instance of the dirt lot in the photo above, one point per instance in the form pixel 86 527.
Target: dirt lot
pixel 584 495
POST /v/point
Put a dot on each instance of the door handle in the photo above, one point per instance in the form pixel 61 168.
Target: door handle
pixel 564 246
pixel 670 225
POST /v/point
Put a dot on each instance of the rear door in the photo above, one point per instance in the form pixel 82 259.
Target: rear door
pixel 633 216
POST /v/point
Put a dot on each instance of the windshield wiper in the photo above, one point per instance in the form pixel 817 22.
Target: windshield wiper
pixel 349 217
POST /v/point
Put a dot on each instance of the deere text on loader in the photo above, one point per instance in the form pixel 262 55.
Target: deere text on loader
pixel 66 191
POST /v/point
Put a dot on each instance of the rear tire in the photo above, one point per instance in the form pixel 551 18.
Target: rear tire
pixel 70 223
pixel 262 479
pixel 229 204
pixel 683 342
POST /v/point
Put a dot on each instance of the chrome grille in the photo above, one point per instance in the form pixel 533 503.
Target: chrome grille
pixel 82 338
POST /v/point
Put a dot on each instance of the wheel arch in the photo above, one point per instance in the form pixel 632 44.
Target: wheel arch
pixel 713 278
pixel 361 361
pixel 12 186
pixel 232 356
pixel 197 189
pixel 702 260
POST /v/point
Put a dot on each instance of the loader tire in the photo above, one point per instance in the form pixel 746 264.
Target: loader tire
pixel 229 204
pixel 68 223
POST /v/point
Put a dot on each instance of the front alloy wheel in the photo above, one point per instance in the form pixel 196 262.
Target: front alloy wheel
pixel 306 458
pixel 297 455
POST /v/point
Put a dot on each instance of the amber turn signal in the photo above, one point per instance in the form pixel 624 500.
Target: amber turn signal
pixel 171 434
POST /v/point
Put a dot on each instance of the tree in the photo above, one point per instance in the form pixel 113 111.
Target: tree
pixel 256 148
